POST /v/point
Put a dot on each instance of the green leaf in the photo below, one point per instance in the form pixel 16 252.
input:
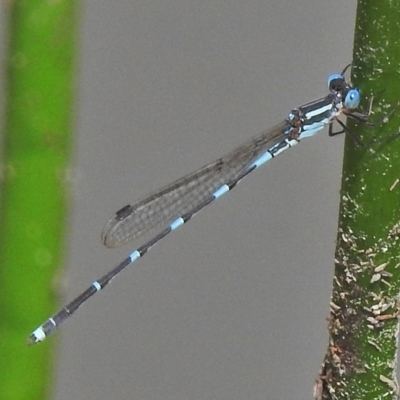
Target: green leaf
pixel 34 193
pixel 363 328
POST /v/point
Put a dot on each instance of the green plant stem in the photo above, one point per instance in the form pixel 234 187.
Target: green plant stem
pixel 36 147
pixel 361 358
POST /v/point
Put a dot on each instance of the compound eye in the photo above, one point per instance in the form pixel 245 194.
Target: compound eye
pixel 336 82
pixel 352 99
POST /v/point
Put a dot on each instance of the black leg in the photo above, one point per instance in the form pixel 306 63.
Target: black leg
pixel 346 68
pixel 345 129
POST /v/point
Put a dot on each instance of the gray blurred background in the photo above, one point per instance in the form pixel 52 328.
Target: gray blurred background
pixel 233 305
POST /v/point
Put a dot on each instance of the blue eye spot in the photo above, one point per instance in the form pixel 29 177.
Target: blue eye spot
pixel 334 77
pixel 352 99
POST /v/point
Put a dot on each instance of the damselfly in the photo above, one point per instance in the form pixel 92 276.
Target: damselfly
pixel 175 204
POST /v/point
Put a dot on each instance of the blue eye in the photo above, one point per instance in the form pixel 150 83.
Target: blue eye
pixel 352 99
pixel 334 77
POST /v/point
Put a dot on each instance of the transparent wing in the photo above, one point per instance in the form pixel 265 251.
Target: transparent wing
pixel 162 207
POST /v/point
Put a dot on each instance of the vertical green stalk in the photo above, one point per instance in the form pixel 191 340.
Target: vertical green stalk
pixel 360 362
pixel 36 147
